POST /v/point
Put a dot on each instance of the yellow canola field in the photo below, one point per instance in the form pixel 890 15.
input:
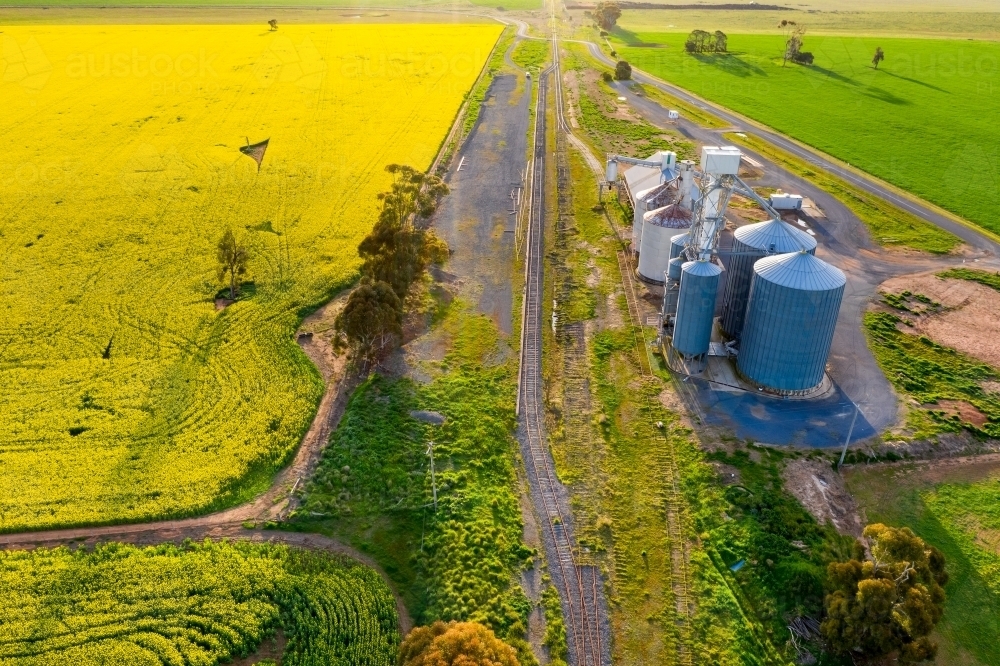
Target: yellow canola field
pixel 124 394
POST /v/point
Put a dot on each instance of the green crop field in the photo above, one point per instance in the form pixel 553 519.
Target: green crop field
pixel 927 121
pixel 191 604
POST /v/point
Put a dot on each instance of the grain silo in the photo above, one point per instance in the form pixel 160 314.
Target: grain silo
pixel 751 243
pixel 677 244
pixel 696 307
pixel 790 318
pixel 673 282
pixel 645 201
pixel 658 227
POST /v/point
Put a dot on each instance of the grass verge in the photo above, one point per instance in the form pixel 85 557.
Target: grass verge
pixel 607 127
pixel 991 280
pixel 889 225
pixel 531 54
pixel 374 488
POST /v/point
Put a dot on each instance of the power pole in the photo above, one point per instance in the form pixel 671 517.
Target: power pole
pixel 850 432
pixel 434 489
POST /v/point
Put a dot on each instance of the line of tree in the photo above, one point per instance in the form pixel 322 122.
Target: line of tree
pixel 606 15
pixel 700 41
pixel 794 33
pixel 396 254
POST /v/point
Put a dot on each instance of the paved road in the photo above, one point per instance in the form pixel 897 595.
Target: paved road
pixel 969 235
pixel 844 242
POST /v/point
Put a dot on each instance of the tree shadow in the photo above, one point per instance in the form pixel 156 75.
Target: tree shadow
pixel 632 39
pixel 829 73
pixel 918 82
pixel 885 96
pixel 869 91
pixel 730 63
pixel 972 609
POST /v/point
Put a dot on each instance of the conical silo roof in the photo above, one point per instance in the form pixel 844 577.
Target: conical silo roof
pixel 651 192
pixel 673 216
pixel 701 268
pixel 775 237
pixel 801 271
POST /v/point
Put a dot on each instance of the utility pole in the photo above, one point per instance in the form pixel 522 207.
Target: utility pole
pixel 850 432
pixel 434 489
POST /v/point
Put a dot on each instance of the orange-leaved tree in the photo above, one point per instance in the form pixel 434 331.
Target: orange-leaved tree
pixel 455 644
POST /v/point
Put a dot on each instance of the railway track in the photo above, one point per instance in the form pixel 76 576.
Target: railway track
pixel 580 588
pixel 673 501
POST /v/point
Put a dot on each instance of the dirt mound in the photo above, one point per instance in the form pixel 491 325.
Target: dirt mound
pixel 969 320
pixel 823 493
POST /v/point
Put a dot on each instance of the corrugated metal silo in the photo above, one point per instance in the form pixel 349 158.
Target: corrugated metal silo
pixel 677 244
pixel 696 307
pixel 658 227
pixel 751 243
pixel 674 267
pixel 791 315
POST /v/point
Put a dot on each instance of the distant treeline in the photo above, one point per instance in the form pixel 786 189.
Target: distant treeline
pixel 656 5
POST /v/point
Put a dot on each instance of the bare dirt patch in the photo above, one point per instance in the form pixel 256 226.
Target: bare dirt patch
pixel 949 293
pixel 271 648
pixel 315 337
pixel 970 320
pixel 962 409
pixel 823 493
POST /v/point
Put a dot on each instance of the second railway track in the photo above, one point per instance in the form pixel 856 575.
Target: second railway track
pixel 580 587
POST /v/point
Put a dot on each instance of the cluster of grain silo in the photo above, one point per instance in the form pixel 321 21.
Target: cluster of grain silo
pixel 781 301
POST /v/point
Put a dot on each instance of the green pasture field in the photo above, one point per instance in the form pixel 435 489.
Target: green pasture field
pixel 198 603
pixel 928 120
pixel 955 509
pixel 924 22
